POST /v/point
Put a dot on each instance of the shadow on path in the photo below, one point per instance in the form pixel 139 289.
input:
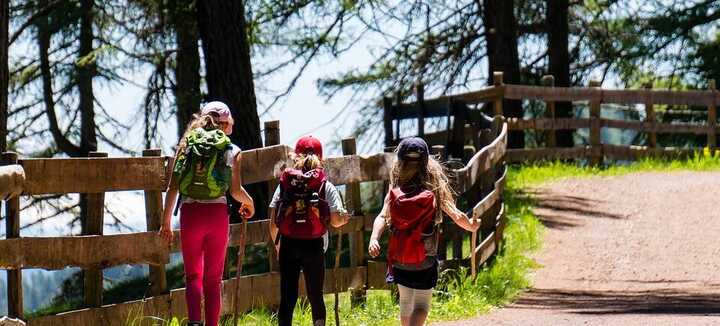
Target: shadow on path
pixel 661 301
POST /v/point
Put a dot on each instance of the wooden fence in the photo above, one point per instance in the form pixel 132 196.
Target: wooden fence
pixel 466 120
pixel 480 182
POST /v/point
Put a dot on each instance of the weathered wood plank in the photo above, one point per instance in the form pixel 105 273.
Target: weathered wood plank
pixel 12 178
pixel 622 96
pixel 260 291
pixel 376 274
pixel 262 164
pixel 490 199
pixel 486 249
pixel 93 175
pixel 440 106
pixel 481 162
pixel 83 251
pixel 567 94
pixel 358 168
pixel 661 128
pixel 548 124
pixel 641 96
pixel 521 155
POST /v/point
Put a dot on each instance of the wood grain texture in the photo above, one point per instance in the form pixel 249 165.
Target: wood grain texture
pixel 481 162
pixel 12 178
pixel 490 199
pixel 548 124
pixel 98 251
pixel 538 154
pixel 93 175
pixel 260 290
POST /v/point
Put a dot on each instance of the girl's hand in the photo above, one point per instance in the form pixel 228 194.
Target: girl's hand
pixel 374 248
pixel 166 233
pixel 247 210
pixel 474 223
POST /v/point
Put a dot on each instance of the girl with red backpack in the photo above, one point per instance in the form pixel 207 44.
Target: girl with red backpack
pixel 419 194
pixel 207 165
pixel 303 207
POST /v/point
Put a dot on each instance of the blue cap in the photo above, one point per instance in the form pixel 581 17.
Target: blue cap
pixel 413 149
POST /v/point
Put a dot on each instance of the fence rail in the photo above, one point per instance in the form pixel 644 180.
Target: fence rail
pixel 466 131
pixel 480 181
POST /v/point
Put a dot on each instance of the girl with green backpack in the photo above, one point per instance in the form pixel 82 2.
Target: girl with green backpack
pixel 207 165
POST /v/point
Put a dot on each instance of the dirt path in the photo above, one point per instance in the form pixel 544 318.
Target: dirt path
pixel 641 249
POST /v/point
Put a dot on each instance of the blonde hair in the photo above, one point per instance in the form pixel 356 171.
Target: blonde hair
pixel 207 121
pixel 306 162
pixel 302 162
pixel 431 176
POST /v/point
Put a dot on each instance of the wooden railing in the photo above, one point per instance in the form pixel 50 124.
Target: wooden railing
pixel 480 182
pixel 464 130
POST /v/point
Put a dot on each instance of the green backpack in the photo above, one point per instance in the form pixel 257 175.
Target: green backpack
pixel 201 169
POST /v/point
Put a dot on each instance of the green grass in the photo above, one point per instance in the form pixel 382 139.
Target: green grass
pixel 534 174
pixel 458 296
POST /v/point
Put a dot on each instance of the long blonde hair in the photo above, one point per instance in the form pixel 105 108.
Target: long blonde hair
pixel 306 162
pixel 431 176
pixel 207 121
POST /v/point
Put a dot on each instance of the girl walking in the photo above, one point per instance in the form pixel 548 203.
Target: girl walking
pixel 207 165
pixel 419 194
pixel 303 206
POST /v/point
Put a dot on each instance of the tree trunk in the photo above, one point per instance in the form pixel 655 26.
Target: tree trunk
pixel 86 72
pixel 559 63
pixel 229 77
pixel 227 62
pixel 187 65
pixel 4 78
pixel 43 38
pixel 502 47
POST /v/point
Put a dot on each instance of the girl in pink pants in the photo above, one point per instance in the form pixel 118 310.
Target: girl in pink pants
pixel 204 218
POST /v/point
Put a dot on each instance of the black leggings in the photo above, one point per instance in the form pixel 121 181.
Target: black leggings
pixel 307 255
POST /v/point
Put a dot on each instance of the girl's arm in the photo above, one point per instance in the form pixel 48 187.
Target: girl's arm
pixel 338 219
pixel 171 197
pixel 379 226
pixel 460 218
pixel 273 229
pixel 237 191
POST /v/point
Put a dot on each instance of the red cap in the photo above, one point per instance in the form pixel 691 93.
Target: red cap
pixel 309 145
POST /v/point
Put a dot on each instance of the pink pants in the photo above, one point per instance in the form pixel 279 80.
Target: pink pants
pixel 204 237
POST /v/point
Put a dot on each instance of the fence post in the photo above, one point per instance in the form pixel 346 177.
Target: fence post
pixel 549 81
pixel 712 119
pixel 356 239
pixel 272 137
pixel 93 225
pixel 387 120
pixel 398 103
pixel 12 230
pixel 153 220
pixel 420 97
pixel 498 102
pixel 650 116
pixel 596 154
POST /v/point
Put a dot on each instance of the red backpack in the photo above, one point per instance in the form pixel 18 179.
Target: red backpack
pixel 303 212
pixel 412 214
